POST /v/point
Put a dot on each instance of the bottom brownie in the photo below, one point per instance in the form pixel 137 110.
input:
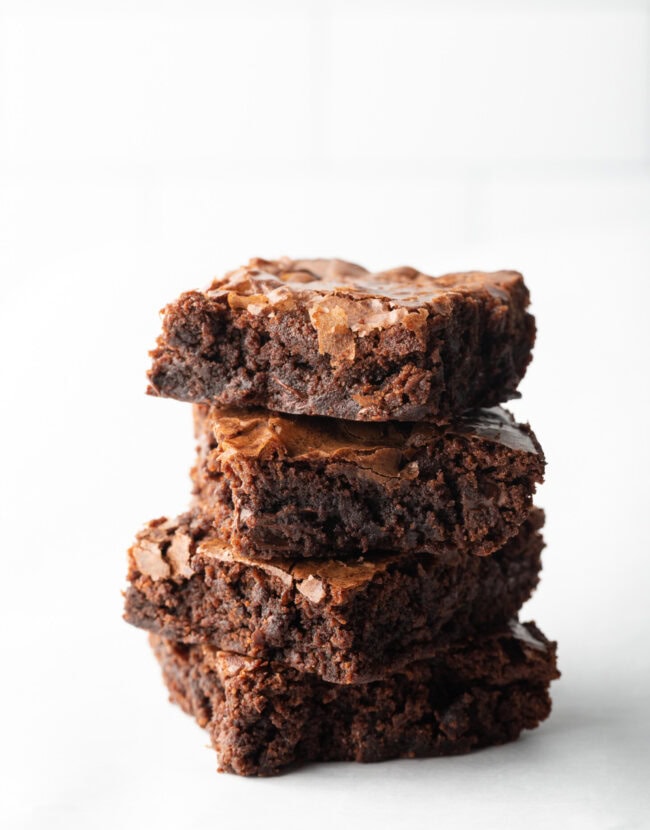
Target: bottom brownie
pixel 263 717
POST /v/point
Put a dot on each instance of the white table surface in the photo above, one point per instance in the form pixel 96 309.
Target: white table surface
pixel 88 737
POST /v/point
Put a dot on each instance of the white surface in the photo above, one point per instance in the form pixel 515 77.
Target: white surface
pixel 146 146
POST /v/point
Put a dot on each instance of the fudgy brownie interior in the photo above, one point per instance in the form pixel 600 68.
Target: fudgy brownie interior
pixel 347 621
pixel 263 717
pixel 326 337
pixel 281 485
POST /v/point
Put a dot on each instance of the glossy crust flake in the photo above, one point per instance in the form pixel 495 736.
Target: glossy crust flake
pixel 326 337
pixel 346 621
pixel 290 486
pixel 264 717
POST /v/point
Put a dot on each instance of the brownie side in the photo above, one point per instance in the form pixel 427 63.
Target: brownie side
pixel 345 621
pixel 265 717
pixel 371 347
pixel 316 487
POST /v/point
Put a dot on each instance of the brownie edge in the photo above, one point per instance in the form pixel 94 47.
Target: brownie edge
pixel 263 718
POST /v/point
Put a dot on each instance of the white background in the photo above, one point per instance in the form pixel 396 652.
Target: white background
pixel 144 147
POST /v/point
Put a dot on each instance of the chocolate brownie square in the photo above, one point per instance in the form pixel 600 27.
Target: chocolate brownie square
pixel 326 337
pixel 264 717
pixel 347 621
pixel 291 486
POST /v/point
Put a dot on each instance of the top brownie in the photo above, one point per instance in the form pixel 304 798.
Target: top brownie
pixel 327 337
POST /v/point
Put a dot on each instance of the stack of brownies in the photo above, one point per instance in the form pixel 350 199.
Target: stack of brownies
pixel 346 582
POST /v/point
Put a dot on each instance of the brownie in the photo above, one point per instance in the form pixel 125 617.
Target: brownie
pixel 292 486
pixel 326 337
pixel 347 621
pixel 264 717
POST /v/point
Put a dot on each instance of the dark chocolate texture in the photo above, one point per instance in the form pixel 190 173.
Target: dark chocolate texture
pixel 291 486
pixel 347 621
pixel 326 337
pixel 264 717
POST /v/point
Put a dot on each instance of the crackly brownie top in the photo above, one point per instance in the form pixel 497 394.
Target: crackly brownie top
pixel 383 447
pixel 315 580
pixel 176 548
pixel 345 301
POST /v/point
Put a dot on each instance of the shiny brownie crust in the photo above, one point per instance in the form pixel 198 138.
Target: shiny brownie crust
pixel 290 486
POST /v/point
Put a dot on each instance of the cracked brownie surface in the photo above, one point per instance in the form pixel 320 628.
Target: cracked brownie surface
pixel 290 486
pixel 327 337
pixel 347 621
